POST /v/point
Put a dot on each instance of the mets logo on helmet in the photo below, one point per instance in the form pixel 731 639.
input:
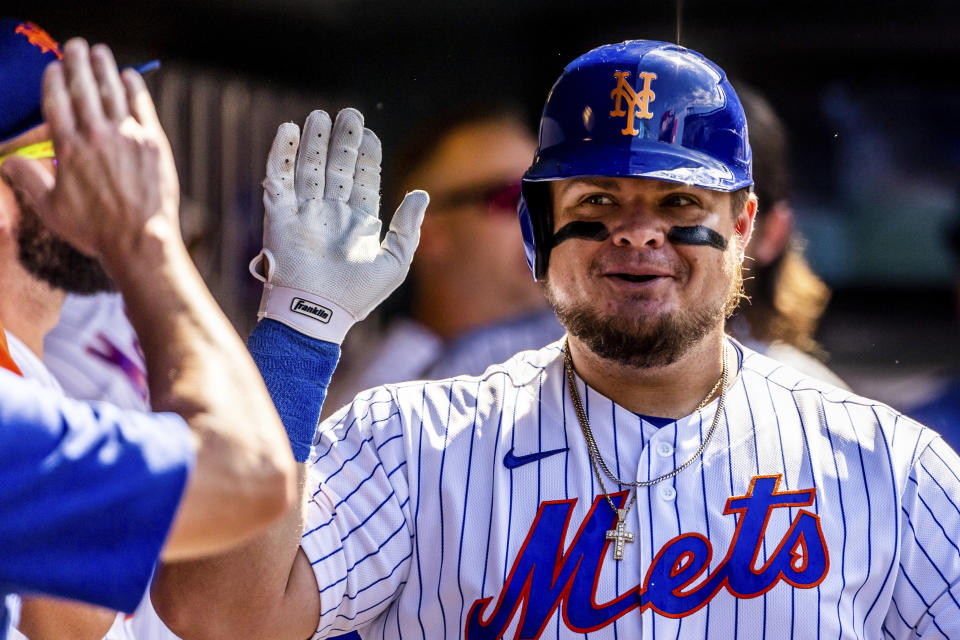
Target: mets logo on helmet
pixel 637 101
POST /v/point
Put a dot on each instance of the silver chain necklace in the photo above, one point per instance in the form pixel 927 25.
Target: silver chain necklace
pixel 619 535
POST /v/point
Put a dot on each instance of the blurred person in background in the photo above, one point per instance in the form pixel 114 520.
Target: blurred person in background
pixel 941 410
pixel 786 298
pixel 470 299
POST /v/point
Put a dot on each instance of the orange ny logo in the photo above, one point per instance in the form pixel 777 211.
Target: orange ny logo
pixel 39 38
pixel 637 101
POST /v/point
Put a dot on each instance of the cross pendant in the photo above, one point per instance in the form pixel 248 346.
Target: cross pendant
pixel 619 534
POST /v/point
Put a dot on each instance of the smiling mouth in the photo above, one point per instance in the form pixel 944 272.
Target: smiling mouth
pixel 629 277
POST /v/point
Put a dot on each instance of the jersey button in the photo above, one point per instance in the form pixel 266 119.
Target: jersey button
pixel 664 449
pixel 667 492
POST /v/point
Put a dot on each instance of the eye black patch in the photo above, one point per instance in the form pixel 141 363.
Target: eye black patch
pixel 586 229
pixel 598 232
pixel 697 235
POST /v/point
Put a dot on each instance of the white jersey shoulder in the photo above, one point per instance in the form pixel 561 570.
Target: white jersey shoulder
pixel 94 352
pixel 469 507
pixel 30 365
pixel 520 369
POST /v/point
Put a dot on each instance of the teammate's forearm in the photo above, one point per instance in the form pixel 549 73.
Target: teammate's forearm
pixel 263 588
pixel 213 596
pixel 199 368
pixel 43 618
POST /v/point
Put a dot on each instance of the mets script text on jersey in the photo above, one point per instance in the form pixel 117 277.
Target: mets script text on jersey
pixel 567 579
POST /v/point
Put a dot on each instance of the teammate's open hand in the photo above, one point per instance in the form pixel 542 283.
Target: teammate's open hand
pixel 325 265
pixel 115 174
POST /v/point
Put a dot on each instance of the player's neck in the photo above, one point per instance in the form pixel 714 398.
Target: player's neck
pixel 672 391
pixel 29 308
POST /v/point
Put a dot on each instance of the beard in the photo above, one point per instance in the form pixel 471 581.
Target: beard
pixel 644 342
pixel 50 259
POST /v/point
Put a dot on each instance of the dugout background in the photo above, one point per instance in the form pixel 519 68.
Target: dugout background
pixel 868 89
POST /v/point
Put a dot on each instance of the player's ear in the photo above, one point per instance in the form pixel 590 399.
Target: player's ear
pixel 743 222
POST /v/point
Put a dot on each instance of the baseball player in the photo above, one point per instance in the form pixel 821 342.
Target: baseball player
pixel 91 495
pixel 644 477
pixel 93 348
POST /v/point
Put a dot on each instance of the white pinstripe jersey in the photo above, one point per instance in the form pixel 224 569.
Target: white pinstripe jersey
pixel 407 350
pixel 812 513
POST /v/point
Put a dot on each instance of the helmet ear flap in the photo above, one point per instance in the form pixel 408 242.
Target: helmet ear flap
pixel 536 225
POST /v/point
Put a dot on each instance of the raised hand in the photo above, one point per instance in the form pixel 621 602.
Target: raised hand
pixel 325 265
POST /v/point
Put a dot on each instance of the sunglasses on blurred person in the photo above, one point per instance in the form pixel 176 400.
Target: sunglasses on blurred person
pixel 37 151
pixel 497 199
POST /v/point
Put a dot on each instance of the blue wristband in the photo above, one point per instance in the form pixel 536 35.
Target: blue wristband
pixel 296 369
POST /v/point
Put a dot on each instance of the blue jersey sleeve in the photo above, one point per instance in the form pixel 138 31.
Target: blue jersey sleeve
pixel 87 494
pixel 296 369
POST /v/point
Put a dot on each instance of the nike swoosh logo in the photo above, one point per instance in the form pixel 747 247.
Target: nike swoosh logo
pixel 511 461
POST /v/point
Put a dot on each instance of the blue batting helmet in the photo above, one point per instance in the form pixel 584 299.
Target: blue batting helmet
pixel 641 108
pixel 25 51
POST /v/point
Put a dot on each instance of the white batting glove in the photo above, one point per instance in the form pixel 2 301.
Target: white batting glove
pixel 325 265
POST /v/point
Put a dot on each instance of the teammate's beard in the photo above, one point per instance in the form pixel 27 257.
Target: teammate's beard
pixel 643 342
pixel 54 261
